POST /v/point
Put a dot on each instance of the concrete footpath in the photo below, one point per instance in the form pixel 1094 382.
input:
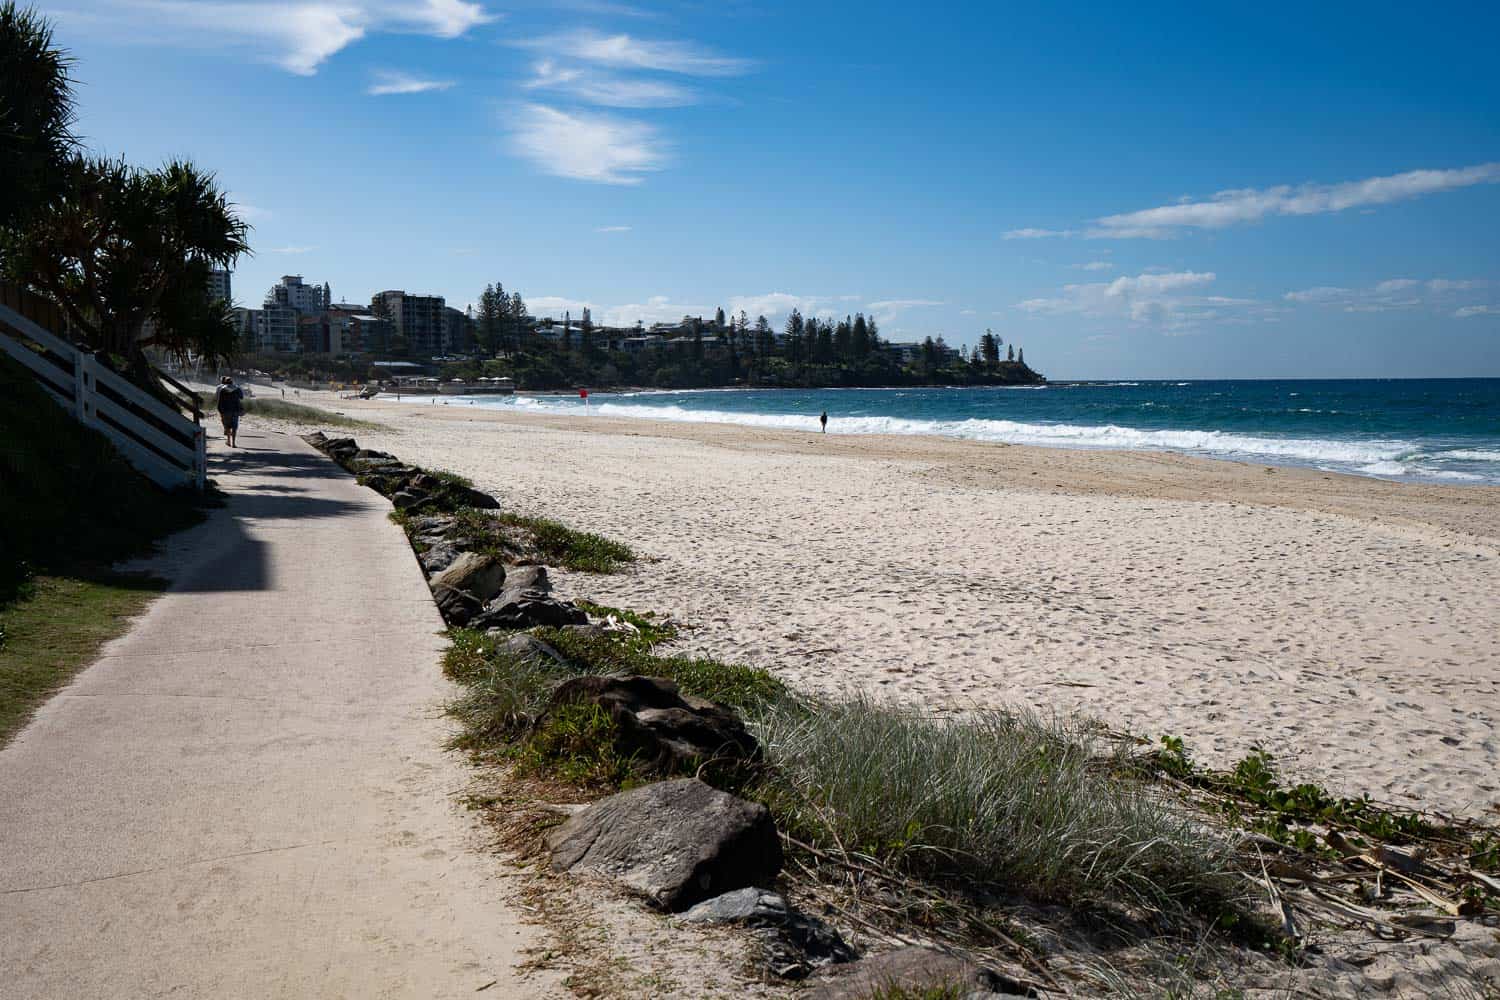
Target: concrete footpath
pixel 247 795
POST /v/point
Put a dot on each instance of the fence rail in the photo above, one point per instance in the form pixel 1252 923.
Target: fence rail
pixel 160 442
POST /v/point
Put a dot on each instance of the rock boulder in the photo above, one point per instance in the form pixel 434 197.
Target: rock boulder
pixel 914 970
pixel 657 723
pixel 480 575
pixel 795 943
pixel 675 842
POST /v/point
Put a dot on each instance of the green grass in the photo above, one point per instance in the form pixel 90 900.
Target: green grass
pixel 1000 799
pixel 545 541
pixel 997 798
pixel 298 413
pixel 53 629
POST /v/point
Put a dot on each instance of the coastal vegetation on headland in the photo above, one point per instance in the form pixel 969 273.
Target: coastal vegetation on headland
pixel 694 353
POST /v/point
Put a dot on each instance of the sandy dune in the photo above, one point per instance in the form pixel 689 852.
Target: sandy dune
pixel 1347 625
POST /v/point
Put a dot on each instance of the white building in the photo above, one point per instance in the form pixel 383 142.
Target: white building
pixel 218 285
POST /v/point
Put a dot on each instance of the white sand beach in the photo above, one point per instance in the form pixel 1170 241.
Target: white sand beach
pixel 1349 626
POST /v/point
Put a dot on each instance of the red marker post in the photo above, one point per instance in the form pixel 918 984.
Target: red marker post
pixel 584 395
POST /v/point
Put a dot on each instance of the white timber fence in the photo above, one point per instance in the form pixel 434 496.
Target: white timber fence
pixel 162 444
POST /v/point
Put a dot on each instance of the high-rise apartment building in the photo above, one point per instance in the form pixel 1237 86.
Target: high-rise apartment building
pixel 416 320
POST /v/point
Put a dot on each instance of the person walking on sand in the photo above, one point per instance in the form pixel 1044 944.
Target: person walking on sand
pixel 229 400
pixel 824 421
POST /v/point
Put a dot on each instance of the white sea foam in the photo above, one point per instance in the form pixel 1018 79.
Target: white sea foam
pixel 1388 457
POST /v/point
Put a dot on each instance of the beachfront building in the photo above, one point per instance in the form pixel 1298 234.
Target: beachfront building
pixel 218 284
pixel 458 331
pixel 417 320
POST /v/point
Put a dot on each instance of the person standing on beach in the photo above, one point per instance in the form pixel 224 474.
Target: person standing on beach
pixel 824 421
pixel 229 400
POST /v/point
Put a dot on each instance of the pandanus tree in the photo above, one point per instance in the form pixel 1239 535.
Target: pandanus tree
pixel 126 252
pixel 36 112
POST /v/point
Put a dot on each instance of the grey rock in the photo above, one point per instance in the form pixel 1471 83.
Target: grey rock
pixel 317 439
pixel 530 648
pixel 429 524
pixel 511 611
pixel 457 607
pixel 675 842
pixel 914 969
pixel 437 557
pixel 795 944
pixel 412 501
pixel 367 454
pixel 481 575
pixel 528 579
pixel 657 723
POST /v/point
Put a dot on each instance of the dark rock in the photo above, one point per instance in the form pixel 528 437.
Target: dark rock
pixel 412 501
pixel 509 611
pixel 675 842
pixel 431 524
pixel 657 723
pixel 437 557
pixel 457 607
pixel 914 969
pixel 340 449
pixel 479 575
pixel 465 496
pixel 795 943
pixel 367 454
pixel 317 439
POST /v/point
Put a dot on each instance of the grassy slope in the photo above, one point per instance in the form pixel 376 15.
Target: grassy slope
pixel 280 409
pixel 54 629
pixel 69 507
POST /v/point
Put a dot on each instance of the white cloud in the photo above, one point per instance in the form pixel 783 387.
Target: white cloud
pixel 293 250
pixel 1385 296
pixel 1228 208
pixel 612 229
pixel 1167 301
pixel 607 89
pixel 395 82
pixel 1036 234
pixel 890 304
pixel 1467 311
pixel 298 36
pixel 1095 265
pixel 657 309
pixel 557 306
pixel 247 212
pixel 626 52
pixel 586 147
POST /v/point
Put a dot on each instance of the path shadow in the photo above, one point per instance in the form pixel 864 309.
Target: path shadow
pixel 235 561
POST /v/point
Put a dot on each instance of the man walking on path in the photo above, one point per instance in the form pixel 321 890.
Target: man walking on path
pixel 229 399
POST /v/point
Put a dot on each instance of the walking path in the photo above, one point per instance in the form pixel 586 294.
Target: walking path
pixel 247 795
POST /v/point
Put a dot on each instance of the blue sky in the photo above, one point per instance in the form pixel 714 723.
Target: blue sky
pixel 1147 191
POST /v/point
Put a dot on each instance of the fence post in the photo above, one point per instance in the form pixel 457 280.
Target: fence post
pixel 83 409
pixel 200 460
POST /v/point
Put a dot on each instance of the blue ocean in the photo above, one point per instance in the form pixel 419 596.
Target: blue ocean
pixel 1439 430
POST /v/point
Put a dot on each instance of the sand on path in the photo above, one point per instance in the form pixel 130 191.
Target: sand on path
pixel 1350 626
pixel 247 795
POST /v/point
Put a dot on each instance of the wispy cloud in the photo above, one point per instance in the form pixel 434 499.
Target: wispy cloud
pixel 246 211
pixel 297 36
pixel 587 147
pixel 607 89
pixel 624 51
pixel 1172 302
pixel 612 229
pixel 1229 208
pixel 1095 265
pixel 890 304
pixel 293 250
pixel 1387 296
pixel 1037 234
pixel 395 82
pixel 1467 312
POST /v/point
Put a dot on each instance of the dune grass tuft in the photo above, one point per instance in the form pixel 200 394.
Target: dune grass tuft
pixel 298 413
